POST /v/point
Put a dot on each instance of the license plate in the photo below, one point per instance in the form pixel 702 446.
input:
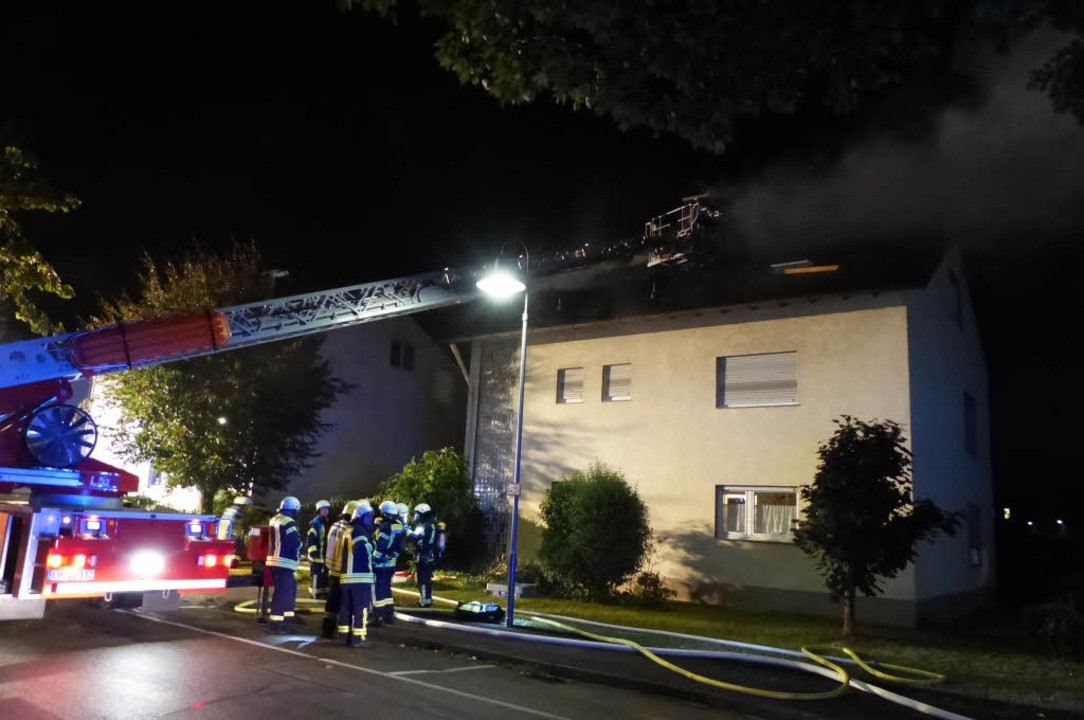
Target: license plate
pixel 69 575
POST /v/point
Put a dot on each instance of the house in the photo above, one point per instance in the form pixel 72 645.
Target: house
pixel 712 390
pixel 408 395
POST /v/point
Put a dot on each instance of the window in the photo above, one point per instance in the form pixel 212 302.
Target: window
pixel 617 382
pixel 570 385
pixel 971 431
pixel 751 380
pixel 755 513
pixel 408 356
pixel 396 354
pixel 155 478
pixel 957 307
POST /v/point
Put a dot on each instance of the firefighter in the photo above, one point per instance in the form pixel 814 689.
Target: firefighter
pixel 283 558
pixel 315 542
pixel 387 545
pixel 334 560
pixel 356 581
pixel 428 538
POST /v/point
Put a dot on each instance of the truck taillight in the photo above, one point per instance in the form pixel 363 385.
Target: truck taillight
pixel 54 561
pixel 209 560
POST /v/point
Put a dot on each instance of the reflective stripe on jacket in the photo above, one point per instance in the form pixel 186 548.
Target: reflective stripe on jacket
pixel 358 551
pixel 336 558
pixel 314 542
pixel 387 543
pixel 285 547
pixel 426 538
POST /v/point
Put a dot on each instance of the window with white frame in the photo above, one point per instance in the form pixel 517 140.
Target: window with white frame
pixel 617 382
pixel 570 385
pixel 755 513
pixel 756 380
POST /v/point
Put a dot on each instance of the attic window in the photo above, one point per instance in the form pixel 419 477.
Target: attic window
pixel 802 267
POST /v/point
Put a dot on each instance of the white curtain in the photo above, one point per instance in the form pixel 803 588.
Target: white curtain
pixel 775 519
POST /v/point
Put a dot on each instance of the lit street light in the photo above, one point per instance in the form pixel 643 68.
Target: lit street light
pixel 500 283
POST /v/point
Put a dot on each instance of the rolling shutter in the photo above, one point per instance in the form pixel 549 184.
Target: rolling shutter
pixel 617 382
pixel 570 385
pixel 745 380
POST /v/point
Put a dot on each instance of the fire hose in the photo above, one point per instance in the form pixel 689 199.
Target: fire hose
pixel 826 665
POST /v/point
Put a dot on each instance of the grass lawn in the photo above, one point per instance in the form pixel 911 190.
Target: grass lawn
pixel 993 667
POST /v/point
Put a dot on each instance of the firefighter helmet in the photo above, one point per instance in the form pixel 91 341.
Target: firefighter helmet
pixel 289 504
pixel 422 508
pixel 389 508
pixel 348 508
pixel 320 505
pixel 365 504
pixel 363 508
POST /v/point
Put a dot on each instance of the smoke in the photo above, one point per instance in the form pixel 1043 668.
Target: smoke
pixel 993 177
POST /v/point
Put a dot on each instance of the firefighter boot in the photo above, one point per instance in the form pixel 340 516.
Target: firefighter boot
pixel 329 627
pixel 357 642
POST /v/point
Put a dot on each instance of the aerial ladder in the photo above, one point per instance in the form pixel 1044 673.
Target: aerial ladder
pixel 67 534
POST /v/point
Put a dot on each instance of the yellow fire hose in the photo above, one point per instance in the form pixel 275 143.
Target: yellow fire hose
pixel 917 676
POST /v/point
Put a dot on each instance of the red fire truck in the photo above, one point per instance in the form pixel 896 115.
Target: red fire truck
pixel 64 532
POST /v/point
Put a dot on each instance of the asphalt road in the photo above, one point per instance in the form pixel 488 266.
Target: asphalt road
pixel 81 663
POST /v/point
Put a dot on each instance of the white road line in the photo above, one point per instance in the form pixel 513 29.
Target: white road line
pixel 359 668
pixel 441 672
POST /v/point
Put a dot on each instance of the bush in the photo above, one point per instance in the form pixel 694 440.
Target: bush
pixel 147 503
pixel 648 590
pixel 442 479
pixel 1055 629
pixel 597 533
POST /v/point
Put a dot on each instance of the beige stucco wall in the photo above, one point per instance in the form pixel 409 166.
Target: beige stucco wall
pixel 676 446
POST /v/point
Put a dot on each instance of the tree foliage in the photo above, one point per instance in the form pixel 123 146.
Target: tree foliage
pixel 24 272
pixel 234 421
pixel 861 524
pixel 441 478
pixel 695 68
pixel 597 532
pixel 1061 77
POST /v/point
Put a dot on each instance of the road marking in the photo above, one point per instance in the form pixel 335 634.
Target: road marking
pixel 441 672
pixel 359 668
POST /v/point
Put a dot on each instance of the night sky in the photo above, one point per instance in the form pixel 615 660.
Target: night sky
pixel 337 144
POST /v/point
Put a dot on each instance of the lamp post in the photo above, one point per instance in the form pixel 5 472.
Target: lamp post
pixel 501 284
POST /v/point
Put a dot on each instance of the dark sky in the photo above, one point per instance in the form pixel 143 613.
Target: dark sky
pixel 337 144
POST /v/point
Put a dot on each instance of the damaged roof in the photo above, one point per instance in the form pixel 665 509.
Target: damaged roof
pixel 622 289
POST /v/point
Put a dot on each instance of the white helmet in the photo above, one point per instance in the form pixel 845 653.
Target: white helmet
pixel 422 508
pixel 362 509
pixel 368 506
pixel 389 508
pixel 322 504
pixel 290 503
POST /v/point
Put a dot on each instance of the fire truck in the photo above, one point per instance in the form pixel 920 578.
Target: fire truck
pixel 66 533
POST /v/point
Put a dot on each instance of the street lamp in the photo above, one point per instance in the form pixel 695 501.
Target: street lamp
pixel 500 283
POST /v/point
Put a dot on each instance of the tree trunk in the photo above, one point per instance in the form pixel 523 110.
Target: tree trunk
pixel 206 501
pixel 848 608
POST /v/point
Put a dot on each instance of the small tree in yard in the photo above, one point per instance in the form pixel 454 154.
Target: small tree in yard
pixel 861 523
pixel 597 532
pixel 441 478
